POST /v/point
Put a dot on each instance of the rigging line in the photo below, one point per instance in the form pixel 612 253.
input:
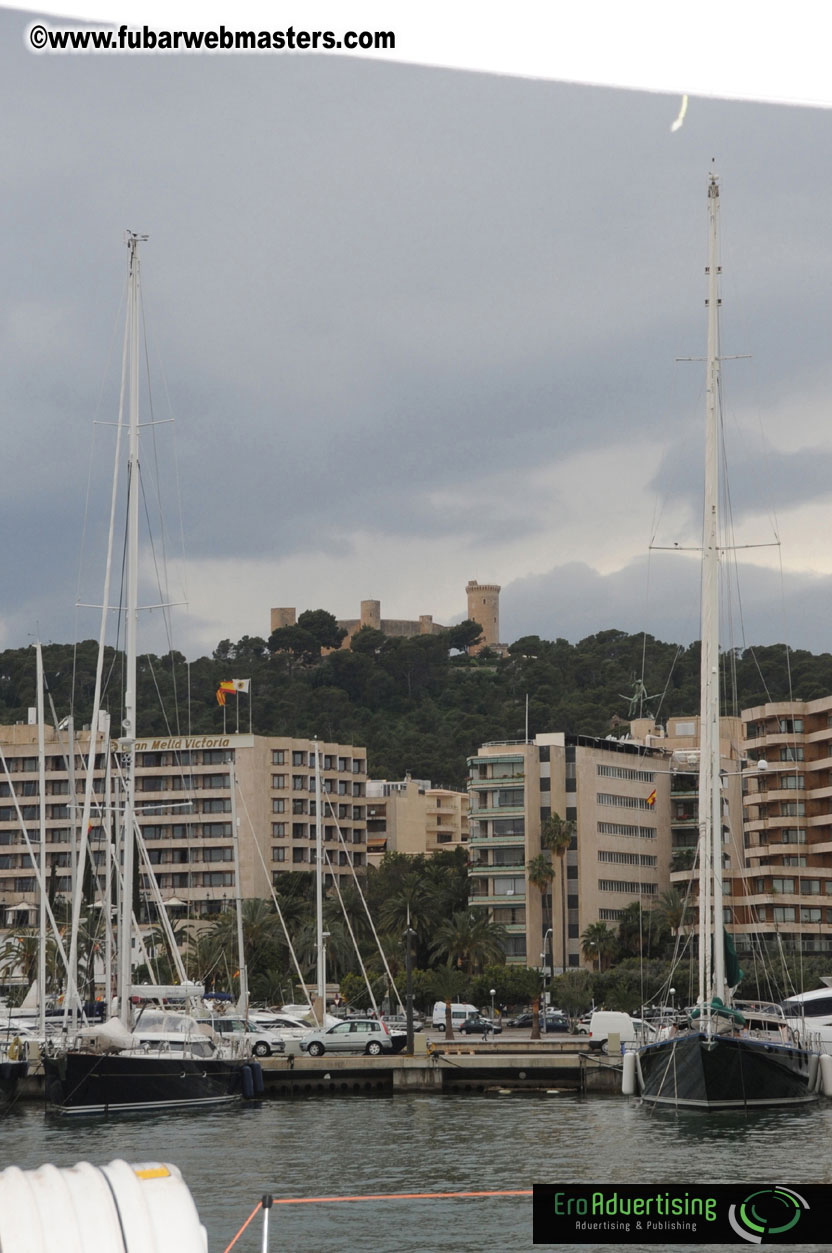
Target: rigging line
pixel 352 936
pixel 88 494
pixel 279 911
pixel 164 582
pixel 360 893
pixel 164 597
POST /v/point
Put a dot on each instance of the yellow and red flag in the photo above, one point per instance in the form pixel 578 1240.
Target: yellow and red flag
pixel 651 799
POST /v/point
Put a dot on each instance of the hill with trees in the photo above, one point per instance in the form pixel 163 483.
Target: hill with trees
pixel 419 704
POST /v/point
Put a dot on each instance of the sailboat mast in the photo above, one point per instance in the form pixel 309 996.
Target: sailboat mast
pixel 319 889
pixel 42 815
pixel 132 598
pixel 712 960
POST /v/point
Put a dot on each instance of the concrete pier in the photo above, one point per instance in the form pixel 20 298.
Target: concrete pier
pixel 449 1067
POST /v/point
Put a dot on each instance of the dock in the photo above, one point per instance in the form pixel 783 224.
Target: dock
pixel 550 1067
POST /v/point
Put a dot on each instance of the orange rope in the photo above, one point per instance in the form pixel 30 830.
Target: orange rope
pixel 379 1196
pixel 396 1196
pixel 255 1211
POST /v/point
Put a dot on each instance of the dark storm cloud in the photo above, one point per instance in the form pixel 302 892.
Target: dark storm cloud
pixel 660 595
pixel 375 293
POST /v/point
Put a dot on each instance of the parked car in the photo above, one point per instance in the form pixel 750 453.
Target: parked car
pixel 475 1024
pixel 582 1025
pixel 356 1035
pixel 261 1042
pixel 279 1024
pixel 554 1020
pixel 398 1022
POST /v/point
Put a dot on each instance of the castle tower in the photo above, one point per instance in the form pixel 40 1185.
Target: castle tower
pixel 282 618
pixel 484 607
pixel 371 614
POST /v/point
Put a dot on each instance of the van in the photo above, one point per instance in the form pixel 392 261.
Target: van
pixel 607 1022
pixel 459 1012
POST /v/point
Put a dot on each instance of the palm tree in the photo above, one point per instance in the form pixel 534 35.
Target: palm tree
pixel 556 836
pixel 598 939
pixel 672 910
pixel 469 941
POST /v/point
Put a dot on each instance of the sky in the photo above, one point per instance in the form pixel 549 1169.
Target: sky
pixel 415 326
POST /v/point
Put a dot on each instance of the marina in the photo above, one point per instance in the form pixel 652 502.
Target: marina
pixel 354 1146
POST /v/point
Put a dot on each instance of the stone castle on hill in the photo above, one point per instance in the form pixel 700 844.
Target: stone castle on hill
pixel 483 607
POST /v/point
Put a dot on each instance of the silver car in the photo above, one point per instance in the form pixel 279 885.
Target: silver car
pixel 355 1035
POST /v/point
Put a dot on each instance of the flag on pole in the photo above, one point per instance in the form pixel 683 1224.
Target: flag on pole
pixel 235 685
pixel 220 695
pixel 651 799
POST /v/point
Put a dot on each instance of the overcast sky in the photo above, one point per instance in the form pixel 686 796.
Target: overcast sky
pixel 415 326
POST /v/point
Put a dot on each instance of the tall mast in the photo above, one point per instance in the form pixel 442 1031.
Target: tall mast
pixel 132 598
pixel 242 1003
pixel 711 957
pixel 319 889
pixel 42 837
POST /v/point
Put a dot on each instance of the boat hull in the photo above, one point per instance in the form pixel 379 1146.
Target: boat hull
pixel 724 1072
pixel 10 1075
pixel 94 1083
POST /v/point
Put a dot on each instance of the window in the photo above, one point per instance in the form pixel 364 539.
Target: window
pixel 298 782
pixel 221 805
pixel 624 802
pixel 624 772
pixel 357 765
pixel 623 828
pixel 216 780
pixel 298 758
pixel 782 885
pixel 510 886
pixel 630 887
pixel 794 782
pixel 216 830
pixel 809 914
pixel 784 913
pixel 278 805
pixel 278 780
pixel 213 757
pixel 793 809
pixel 508 826
pixel 278 854
pixel 278 829
pixel 218 854
pixel 343 763
pixel 508 798
pixel 299 807
pixel 790 726
pixel 298 830
pixel 792 752
pixel 278 759
pixel 299 855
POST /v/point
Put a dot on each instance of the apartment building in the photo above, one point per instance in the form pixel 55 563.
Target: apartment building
pixel 412 817
pixel 186 812
pixel 785 892
pixel 617 792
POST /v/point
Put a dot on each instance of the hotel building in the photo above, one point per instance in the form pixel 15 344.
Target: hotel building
pixel 185 812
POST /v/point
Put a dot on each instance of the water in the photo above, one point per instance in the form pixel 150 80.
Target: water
pixel 331 1146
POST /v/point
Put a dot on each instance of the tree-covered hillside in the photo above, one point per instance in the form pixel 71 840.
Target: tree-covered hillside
pixel 417 704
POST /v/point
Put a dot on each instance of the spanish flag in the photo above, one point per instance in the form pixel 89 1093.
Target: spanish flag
pixel 651 799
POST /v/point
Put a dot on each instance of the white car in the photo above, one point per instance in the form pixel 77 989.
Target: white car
pixel 279 1024
pixel 261 1042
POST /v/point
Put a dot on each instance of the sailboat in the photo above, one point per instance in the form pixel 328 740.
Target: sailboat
pixel 162 1058
pixel 731 1054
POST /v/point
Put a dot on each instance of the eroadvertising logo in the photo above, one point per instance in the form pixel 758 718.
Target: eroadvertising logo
pixel 659 1213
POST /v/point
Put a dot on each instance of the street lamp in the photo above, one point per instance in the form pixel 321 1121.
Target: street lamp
pixel 493 993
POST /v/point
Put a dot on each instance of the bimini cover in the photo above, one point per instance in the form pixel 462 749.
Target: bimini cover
pixel 144 1208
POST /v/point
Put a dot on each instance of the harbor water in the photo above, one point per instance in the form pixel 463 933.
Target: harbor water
pixel 358 1146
